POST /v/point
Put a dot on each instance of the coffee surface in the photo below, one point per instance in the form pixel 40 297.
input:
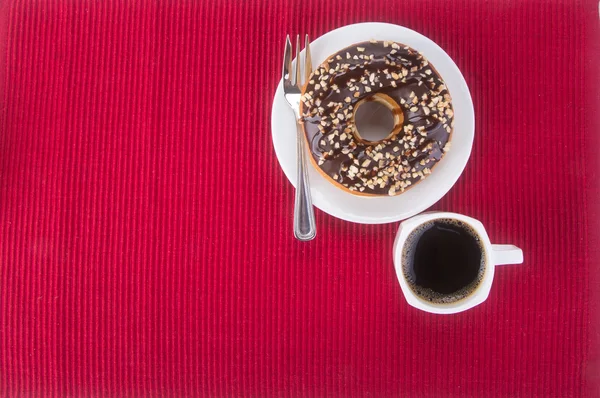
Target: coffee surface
pixel 443 260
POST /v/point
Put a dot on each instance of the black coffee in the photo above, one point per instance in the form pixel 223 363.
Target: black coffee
pixel 443 260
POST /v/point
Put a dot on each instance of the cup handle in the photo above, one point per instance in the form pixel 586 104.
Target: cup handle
pixel 506 254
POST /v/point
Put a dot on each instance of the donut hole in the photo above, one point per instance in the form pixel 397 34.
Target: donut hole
pixel 377 118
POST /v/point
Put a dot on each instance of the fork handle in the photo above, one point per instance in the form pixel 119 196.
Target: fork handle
pixel 305 227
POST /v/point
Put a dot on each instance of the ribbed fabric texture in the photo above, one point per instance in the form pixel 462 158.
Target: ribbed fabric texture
pixel 146 244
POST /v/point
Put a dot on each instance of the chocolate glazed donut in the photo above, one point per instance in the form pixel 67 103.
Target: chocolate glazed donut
pixel 399 78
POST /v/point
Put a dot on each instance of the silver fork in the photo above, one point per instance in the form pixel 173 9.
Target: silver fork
pixel 304 214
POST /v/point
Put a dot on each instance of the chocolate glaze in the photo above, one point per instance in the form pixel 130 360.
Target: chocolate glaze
pixel 355 73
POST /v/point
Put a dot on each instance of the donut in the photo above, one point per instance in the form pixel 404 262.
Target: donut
pixel 402 80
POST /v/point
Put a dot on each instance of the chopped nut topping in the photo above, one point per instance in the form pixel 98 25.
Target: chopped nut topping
pixel 396 163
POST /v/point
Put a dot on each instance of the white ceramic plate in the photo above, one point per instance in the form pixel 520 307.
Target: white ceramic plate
pixel 379 210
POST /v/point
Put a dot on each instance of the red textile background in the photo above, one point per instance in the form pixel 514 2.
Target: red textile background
pixel 145 226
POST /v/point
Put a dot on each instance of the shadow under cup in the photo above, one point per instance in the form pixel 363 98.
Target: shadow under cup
pixel 443 260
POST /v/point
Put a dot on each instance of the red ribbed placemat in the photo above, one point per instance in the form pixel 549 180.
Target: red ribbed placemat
pixel 146 245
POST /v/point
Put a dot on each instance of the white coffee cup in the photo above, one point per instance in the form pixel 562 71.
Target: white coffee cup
pixel 493 255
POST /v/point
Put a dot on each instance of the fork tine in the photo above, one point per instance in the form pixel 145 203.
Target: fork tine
pixel 307 59
pixel 287 59
pixel 296 73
